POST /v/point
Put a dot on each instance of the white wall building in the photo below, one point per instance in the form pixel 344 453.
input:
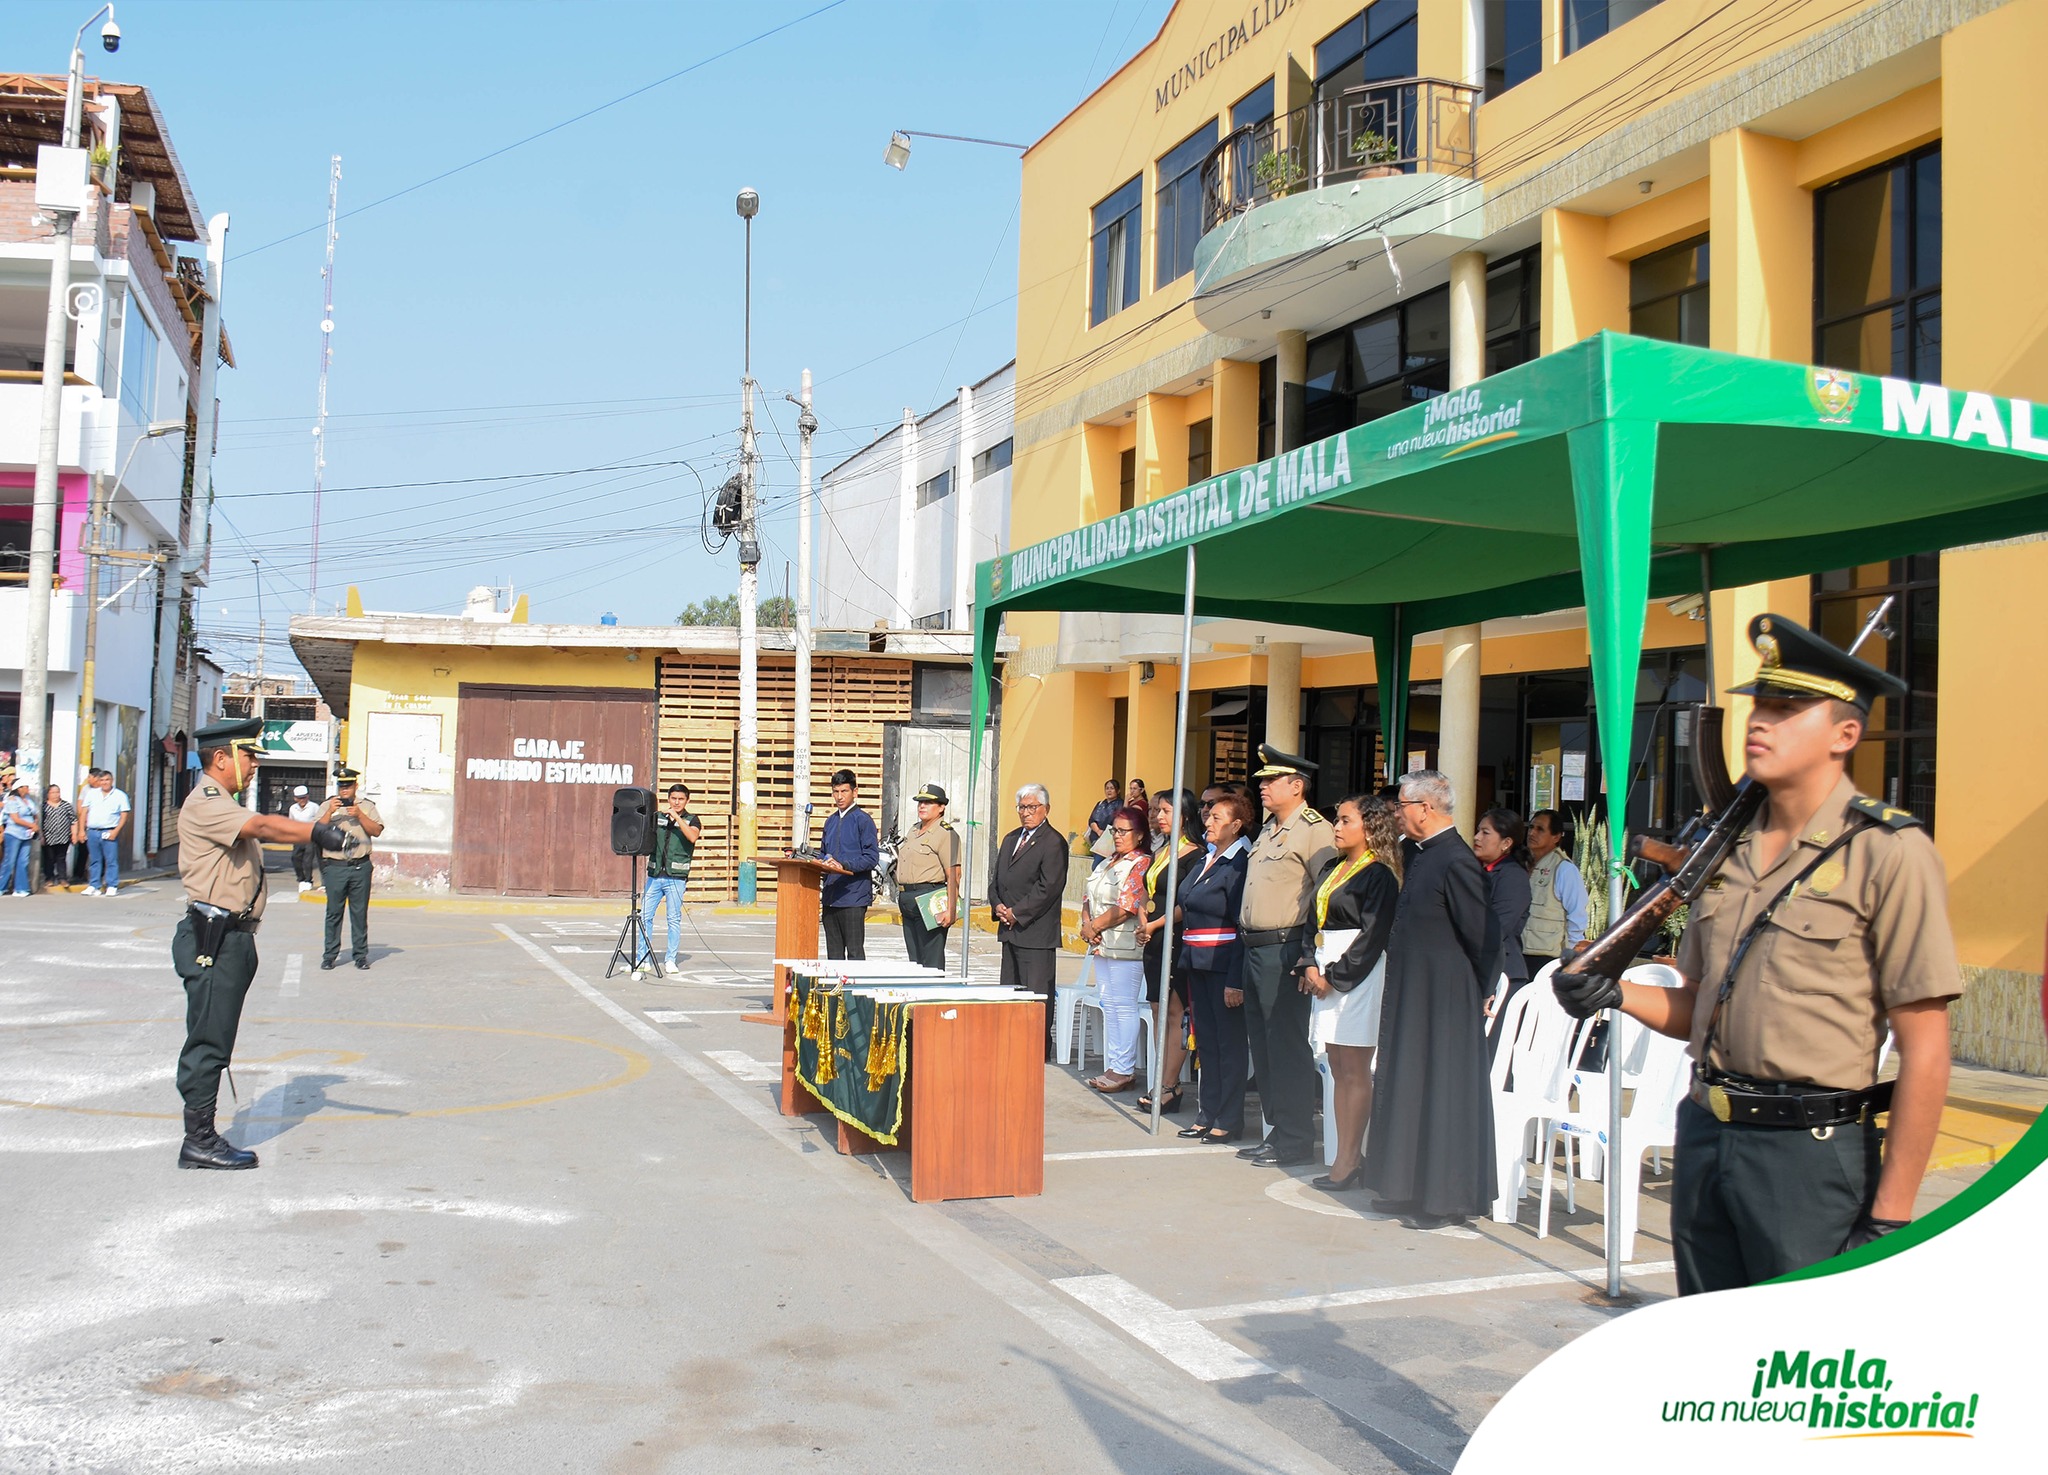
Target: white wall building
pixel 903 521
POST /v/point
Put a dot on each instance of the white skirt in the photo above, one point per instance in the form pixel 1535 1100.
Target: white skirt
pixel 1348 1018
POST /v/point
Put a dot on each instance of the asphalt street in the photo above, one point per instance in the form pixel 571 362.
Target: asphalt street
pixel 514 1216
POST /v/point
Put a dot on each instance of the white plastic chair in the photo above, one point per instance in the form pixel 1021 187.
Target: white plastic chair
pixel 1068 1000
pixel 1651 1121
pixel 1074 1021
pixel 1591 1086
pixel 1493 1006
pixel 1539 1042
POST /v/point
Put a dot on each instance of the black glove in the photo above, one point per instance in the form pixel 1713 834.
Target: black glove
pixel 1868 1229
pixel 329 837
pixel 1586 994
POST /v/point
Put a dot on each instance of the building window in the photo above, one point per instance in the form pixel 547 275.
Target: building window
pixel 1514 299
pixel 1514 43
pixel 1877 270
pixel 1115 246
pixel 936 621
pixel 1379 364
pixel 138 366
pixel 1667 294
pixel 938 487
pixel 1127 480
pixel 1201 434
pixel 1177 208
pixel 1355 119
pixel 1895 761
pixel 1269 407
pixel 995 458
pixel 1586 21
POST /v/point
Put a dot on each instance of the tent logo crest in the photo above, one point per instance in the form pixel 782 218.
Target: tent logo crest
pixel 1833 394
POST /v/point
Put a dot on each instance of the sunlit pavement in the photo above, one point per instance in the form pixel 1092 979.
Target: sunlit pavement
pixel 514 1216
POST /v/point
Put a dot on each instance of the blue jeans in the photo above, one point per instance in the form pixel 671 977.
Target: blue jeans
pixel 14 863
pixel 663 889
pixel 103 854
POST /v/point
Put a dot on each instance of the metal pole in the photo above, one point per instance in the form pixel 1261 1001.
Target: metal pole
pixel 86 713
pixel 747 829
pixel 42 538
pixel 1180 758
pixel 806 427
pixel 326 361
pixel 1617 901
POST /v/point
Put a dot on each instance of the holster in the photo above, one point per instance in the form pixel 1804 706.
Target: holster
pixel 210 927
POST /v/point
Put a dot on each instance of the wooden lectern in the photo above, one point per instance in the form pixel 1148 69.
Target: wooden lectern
pixel 797 883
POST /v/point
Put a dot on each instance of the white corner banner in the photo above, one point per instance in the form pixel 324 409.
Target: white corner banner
pixel 1914 1363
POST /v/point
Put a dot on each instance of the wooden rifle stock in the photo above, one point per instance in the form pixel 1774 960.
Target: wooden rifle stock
pixel 1688 868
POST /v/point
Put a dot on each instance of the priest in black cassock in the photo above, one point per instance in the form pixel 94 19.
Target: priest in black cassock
pixel 1429 1154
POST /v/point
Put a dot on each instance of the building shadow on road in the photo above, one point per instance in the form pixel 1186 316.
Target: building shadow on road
pixel 1144 1440
pixel 284 1106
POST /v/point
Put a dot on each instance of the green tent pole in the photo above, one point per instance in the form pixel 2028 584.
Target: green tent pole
pixel 1614 489
pixel 987 620
pixel 1393 656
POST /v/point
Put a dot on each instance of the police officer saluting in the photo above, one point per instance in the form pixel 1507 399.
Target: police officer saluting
pixel 220 862
pixel 1280 880
pixel 928 862
pixel 345 868
pixel 1828 919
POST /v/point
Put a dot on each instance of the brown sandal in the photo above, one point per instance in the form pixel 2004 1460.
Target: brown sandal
pixel 1110 1085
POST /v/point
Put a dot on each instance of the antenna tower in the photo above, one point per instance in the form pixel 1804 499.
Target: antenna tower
pixel 326 358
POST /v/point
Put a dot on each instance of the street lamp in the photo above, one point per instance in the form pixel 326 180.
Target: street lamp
pixel 897 154
pixel 747 826
pixel 61 186
pixel 88 714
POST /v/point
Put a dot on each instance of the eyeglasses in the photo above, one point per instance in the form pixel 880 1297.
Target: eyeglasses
pixel 1411 803
pixel 1026 808
pixel 1123 829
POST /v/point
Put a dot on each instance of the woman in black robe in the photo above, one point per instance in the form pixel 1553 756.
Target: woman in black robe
pixel 1429 1156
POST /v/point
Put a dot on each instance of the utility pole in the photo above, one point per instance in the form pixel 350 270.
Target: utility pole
pixel 747 825
pixel 61 188
pixel 806 427
pixel 257 696
pixel 326 358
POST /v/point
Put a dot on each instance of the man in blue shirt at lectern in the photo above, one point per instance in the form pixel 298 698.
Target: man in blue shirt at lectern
pixel 852 850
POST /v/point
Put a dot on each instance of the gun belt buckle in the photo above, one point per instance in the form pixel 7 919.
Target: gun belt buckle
pixel 1717 1103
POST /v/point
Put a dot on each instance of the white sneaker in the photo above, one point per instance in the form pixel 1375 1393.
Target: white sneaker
pixel 669 962
pixel 92 891
pixel 305 885
pixel 111 891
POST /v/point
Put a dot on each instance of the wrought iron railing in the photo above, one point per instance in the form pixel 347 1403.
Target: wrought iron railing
pixel 1399 127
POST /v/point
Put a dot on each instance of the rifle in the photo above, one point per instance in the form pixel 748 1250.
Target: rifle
pixel 1728 808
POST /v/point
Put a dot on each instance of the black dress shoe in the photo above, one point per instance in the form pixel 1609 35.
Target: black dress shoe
pixel 1256 1150
pixel 1197 1130
pixel 1354 1179
pixel 363 963
pixel 326 963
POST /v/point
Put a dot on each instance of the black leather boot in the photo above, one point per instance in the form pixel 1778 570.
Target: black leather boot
pixel 205 1148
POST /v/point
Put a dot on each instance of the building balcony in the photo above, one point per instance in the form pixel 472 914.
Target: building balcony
pixel 1389 162
pixel 1104 642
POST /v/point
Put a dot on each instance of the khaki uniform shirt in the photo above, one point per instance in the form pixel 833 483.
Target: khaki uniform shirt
pixel 928 853
pixel 357 845
pixel 1286 862
pixel 216 862
pixel 1864 934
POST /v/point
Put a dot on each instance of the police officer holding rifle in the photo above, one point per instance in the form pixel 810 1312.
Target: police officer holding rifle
pixel 220 862
pixel 1818 915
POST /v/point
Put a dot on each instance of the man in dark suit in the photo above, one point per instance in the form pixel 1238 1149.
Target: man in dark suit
pixel 1024 891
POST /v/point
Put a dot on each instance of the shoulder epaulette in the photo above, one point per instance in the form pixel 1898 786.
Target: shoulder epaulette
pixel 1309 814
pixel 1884 814
pixel 945 824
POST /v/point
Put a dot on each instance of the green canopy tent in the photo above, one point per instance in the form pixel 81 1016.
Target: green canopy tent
pixel 1609 473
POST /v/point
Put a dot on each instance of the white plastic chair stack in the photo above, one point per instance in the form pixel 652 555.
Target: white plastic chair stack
pixel 1650 1122
pixel 1493 1006
pixel 1539 1043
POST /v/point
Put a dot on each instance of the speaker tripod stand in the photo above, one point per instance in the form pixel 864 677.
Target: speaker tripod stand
pixel 635 950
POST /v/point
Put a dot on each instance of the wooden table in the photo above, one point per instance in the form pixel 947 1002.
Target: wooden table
pixel 973 1101
pixel 797 908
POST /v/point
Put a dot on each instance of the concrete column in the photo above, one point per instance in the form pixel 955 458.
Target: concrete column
pixel 1283 695
pixel 1468 318
pixel 906 513
pixel 1458 722
pixel 1584 288
pixel 1293 380
pixel 963 512
pixel 1234 415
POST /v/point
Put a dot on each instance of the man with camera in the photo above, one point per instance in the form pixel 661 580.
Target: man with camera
pixel 676 833
pixel 345 867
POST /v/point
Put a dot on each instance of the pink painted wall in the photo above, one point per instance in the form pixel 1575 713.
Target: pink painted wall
pixel 76 490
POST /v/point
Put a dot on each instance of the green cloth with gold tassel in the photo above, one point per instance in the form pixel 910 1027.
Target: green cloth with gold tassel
pixel 852 1053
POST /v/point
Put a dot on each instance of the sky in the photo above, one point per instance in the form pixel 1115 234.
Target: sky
pixel 537 359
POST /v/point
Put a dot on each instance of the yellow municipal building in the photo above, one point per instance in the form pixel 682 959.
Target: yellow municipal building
pixel 1284 218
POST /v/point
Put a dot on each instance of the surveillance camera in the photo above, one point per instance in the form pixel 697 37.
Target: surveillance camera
pixel 110 36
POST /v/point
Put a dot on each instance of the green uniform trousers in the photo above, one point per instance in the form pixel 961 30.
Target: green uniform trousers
pixel 347 882
pixel 213 1010
pixel 1751 1203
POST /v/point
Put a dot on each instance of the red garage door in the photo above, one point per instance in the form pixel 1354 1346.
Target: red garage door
pixel 535 767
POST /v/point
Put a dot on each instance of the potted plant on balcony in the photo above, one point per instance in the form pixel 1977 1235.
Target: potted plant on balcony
pixel 1375 154
pixel 1275 172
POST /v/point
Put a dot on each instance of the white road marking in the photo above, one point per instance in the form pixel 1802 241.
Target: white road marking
pixel 288 986
pixel 1192 1150
pixel 1333 1300
pixel 685 1016
pixel 1193 1348
pixel 745 1066
pixel 66 960
pixel 1213 1421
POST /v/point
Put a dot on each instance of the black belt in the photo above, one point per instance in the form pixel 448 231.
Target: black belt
pixel 1268 936
pixel 344 860
pixel 210 926
pixel 1776 1104
pixel 919 886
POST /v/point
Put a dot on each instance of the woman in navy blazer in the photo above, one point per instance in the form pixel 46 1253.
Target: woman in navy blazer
pixel 1213 957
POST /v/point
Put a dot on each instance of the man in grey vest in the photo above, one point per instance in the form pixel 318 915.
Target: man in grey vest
pixel 1557 894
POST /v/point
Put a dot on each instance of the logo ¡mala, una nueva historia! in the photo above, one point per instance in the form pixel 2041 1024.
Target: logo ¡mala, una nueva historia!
pixel 1835 1398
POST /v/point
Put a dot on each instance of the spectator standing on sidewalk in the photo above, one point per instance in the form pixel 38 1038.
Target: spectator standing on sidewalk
pixel 22 824
pixel 852 849
pixel 60 829
pixel 106 818
pixel 1103 812
pixel 303 811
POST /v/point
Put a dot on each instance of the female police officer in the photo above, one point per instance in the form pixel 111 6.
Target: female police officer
pixel 220 862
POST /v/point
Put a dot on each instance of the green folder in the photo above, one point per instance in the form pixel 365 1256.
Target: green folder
pixel 930 906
